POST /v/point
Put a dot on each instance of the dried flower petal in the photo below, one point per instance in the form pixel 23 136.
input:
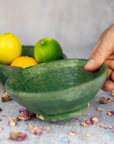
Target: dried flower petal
pixel 86 123
pixel 113 130
pixel 112 92
pixel 35 130
pixel 100 110
pixel 2 90
pixel 46 128
pixel 3 115
pixel 111 127
pixel 103 126
pixel 18 136
pixel 41 117
pixel 77 118
pixel 13 121
pixel 88 135
pixel 0 119
pixel 17 119
pixel 103 100
pixel 0 109
pixel 95 119
pixel 1 129
pixel 110 113
pixel 25 114
pixel 5 97
pixel 72 133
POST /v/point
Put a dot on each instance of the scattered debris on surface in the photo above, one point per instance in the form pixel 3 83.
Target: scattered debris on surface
pixel 72 133
pixel 25 114
pixel 78 118
pixel 35 130
pixel 88 135
pixel 1 128
pixel 95 119
pixel 99 109
pixel 103 126
pixel 46 128
pixel 87 123
pixel 111 127
pixel 13 121
pixel 103 100
pixel 18 136
pixel 110 113
pixel 5 97
pixel 112 93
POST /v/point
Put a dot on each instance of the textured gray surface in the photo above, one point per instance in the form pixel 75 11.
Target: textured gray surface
pixel 59 130
pixel 76 25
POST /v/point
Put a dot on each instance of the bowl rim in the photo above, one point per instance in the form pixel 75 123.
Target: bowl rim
pixel 15 92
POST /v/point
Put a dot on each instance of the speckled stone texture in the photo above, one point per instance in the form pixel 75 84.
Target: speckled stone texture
pixel 76 25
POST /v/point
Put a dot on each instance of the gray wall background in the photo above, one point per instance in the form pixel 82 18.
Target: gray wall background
pixel 75 24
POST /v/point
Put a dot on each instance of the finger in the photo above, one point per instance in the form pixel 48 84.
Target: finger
pixel 111 57
pixel 105 32
pixel 104 87
pixel 96 46
pixel 109 74
pixel 108 85
pixel 112 76
pixel 110 64
pixel 100 54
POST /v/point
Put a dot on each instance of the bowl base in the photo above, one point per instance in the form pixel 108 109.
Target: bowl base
pixel 63 116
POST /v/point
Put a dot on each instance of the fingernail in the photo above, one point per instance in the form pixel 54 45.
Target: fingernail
pixel 90 63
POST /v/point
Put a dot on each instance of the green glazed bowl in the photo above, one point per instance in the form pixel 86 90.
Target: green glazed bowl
pixel 6 70
pixel 56 90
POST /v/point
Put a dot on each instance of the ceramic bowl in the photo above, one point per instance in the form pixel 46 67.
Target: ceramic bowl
pixel 6 70
pixel 56 90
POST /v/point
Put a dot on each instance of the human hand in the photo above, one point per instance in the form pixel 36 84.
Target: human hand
pixel 103 52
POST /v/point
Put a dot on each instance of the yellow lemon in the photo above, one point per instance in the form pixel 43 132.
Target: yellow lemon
pixel 10 48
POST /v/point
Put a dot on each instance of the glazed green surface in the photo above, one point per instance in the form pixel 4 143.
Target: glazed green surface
pixel 56 90
pixel 6 70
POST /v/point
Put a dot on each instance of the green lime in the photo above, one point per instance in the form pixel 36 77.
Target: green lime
pixel 47 49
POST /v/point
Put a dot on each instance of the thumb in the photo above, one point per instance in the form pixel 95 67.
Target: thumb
pixel 98 56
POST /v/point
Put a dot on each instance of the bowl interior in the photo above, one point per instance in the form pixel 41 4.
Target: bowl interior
pixel 54 76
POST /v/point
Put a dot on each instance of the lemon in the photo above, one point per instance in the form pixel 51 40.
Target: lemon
pixel 10 48
pixel 47 49
pixel 24 61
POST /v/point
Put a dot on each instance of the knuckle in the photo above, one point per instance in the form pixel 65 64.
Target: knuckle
pixel 112 64
pixel 99 51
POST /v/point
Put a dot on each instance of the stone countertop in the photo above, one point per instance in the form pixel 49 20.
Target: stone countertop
pixel 58 133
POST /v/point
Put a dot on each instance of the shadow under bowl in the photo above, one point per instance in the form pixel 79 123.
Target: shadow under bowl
pixel 6 70
pixel 58 90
